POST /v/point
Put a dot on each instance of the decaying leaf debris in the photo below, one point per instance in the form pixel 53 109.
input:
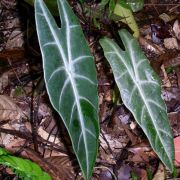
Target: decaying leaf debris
pixel 8 109
pixel 40 136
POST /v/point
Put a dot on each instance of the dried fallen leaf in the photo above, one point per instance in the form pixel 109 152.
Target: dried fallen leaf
pixel 142 152
pixel 124 172
pixel 3 81
pixel 15 40
pixel 65 164
pixel 148 45
pixel 165 17
pixel 174 121
pixel 8 109
pixel 176 29
pixel 114 143
pixel 177 150
pixel 46 135
pixel 160 174
pixel 141 173
pixel 9 141
pixel 169 59
pixel 28 153
pixel 15 54
pixel 166 81
pixel 9 4
pixel 171 43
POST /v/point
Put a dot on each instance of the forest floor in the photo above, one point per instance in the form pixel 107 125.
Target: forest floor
pixel 30 127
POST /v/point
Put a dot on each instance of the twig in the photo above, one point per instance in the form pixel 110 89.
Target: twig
pixel 152 4
pixel 109 147
pixel 40 140
pixel 49 137
pixel 33 122
pixel 172 9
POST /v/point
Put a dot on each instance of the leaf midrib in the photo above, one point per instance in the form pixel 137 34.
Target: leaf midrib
pixel 68 70
pixel 141 92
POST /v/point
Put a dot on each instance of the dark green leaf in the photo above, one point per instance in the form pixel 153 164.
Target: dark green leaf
pixel 112 5
pixel 104 2
pixel 70 78
pixel 141 93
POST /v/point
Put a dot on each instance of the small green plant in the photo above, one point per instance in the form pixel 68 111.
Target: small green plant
pixel 134 176
pixel 140 91
pixel 110 3
pixel 23 168
pixel 123 10
pixel 71 82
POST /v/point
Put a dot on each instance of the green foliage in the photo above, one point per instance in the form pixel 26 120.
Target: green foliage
pixel 149 174
pixel 110 3
pixel 3 152
pixel 136 5
pixel 134 176
pixel 123 10
pixel 141 93
pixel 18 91
pixel 81 1
pixel 23 168
pixel 169 69
pixel 70 78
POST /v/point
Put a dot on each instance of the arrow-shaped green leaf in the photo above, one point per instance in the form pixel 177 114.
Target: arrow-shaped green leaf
pixel 70 78
pixel 141 93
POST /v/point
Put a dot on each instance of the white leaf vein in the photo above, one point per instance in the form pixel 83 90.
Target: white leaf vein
pixel 58 70
pixel 79 59
pixel 72 112
pixel 63 90
pixel 78 76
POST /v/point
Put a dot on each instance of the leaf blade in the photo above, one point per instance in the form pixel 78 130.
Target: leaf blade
pixel 24 168
pixel 141 93
pixel 69 68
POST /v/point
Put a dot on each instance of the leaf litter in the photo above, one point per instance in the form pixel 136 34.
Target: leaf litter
pixel 30 127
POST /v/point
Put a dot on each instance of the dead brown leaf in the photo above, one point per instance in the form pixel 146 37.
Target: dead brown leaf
pixel 169 58
pixel 15 54
pixel 142 152
pixel 174 121
pixel 171 43
pixel 65 165
pixel 141 173
pixel 15 40
pixel 147 44
pixel 166 81
pixel 124 172
pixel 3 81
pixel 8 109
pixel 176 29
pixel 35 157
pixel 9 3
pixel 160 174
